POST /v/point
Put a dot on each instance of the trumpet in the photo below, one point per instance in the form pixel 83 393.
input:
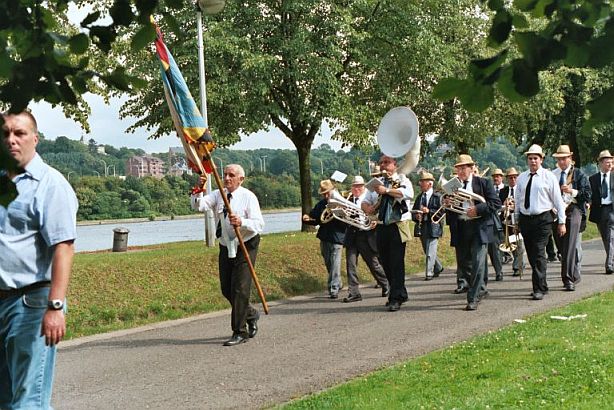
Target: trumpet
pixel 457 199
pixel 346 211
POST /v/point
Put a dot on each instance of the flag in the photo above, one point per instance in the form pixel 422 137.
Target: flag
pixel 189 123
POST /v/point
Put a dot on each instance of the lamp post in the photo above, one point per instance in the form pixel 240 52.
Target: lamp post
pixel 207 7
pixel 264 163
pixel 260 159
pixel 97 173
pixel 68 175
pixel 105 166
pixel 321 167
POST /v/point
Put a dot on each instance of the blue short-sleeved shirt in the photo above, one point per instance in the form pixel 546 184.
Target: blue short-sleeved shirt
pixel 43 215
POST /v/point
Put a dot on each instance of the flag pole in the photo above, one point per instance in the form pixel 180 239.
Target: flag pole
pixel 252 271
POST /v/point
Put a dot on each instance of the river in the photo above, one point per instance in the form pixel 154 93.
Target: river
pixel 100 237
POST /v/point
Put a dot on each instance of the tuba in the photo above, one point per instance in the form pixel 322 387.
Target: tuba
pixel 460 200
pixel 346 211
pixel 397 136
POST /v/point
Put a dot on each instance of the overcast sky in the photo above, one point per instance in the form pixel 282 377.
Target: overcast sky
pixel 108 128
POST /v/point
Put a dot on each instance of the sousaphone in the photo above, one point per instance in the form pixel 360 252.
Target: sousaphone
pixel 397 136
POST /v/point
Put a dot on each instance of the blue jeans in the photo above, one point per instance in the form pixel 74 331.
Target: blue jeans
pixel 26 363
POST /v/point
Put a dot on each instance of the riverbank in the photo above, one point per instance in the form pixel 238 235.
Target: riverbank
pixel 170 218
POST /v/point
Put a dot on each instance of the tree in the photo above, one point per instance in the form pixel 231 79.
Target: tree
pixel 295 64
pixel 569 33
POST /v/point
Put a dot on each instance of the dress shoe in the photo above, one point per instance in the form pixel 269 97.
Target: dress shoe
pixel 352 298
pixel 429 277
pixel 484 294
pixel 575 282
pixel 394 306
pixel 609 271
pixel 552 259
pixel 334 296
pixel 569 287
pixel 537 295
pixel 236 339
pixel 252 326
pixel 499 277
pixel 516 273
pixel 472 306
pixel 385 292
pixel 439 272
pixel 460 289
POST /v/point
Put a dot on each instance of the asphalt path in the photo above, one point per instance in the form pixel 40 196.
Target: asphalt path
pixel 305 344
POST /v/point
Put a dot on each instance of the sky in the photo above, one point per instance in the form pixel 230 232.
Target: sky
pixel 108 128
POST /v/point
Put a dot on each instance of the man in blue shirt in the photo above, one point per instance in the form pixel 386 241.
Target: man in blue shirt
pixel 37 233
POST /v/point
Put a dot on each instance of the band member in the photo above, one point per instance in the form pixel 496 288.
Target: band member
pixel 493 247
pixel 393 194
pixel 429 233
pixel 602 214
pixel 331 236
pixel 472 232
pixel 506 195
pixel 235 277
pixel 363 243
pixel 537 194
pixel 576 192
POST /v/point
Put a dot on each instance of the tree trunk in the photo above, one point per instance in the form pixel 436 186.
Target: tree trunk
pixel 304 165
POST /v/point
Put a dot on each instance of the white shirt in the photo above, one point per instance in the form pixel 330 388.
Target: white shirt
pixel 429 194
pixel 545 194
pixel 499 187
pixel 406 189
pixel 557 173
pixel 608 199
pixel 243 204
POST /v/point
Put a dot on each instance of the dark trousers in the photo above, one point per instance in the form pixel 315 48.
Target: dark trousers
pixel 535 231
pixel 606 230
pixel 495 255
pixel 567 244
pixel 361 245
pixel 236 284
pixel 551 251
pixel 392 256
pixel 471 256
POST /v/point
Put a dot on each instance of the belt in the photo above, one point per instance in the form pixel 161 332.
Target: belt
pixel 9 293
pixel 533 216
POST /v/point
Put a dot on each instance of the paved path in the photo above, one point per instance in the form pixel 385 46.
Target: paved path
pixel 306 344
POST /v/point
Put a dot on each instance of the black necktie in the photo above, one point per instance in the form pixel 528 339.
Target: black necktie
pixel 562 179
pixel 527 193
pixel 512 192
pixel 465 184
pixel 604 188
pixel 423 200
pixel 497 190
pixel 218 228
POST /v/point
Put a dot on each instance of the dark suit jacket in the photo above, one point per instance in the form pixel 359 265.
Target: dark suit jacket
pixel 595 184
pixel 487 212
pixel 333 231
pixel 581 183
pixel 504 193
pixel 429 229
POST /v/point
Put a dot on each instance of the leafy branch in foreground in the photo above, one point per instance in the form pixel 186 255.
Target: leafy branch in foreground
pixel 573 34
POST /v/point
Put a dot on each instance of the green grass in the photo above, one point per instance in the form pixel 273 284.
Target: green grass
pixel 540 364
pixel 111 291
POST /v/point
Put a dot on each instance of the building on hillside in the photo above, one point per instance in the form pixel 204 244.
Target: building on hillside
pixel 145 166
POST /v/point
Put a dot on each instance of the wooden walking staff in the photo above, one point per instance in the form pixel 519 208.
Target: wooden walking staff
pixel 252 271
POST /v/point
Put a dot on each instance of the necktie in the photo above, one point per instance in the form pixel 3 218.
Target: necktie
pixel 497 190
pixel 465 184
pixel 562 179
pixel 527 193
pixel 604 188
pixel 218 228
pixel 512 192
pixel 423 199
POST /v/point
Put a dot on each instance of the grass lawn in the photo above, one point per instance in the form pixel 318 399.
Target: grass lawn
pixel 541 364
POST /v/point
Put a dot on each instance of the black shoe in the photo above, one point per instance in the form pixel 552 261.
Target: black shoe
pixel 352 298
pixel 537 295
pixel 516 273
pixel 252 326
pixel 394 306
pixel 235 340
pixel 609 271
pixel 484 294
pixel 499 277
pixel 436 274
pixel 333 296
pixel 385 292
pixel 429 277
pixel 472 306
pixel 551 258
pixel 570 287
pixel 461 289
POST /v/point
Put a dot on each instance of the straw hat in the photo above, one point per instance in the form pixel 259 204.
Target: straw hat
pixel 464 159
pixel 511 171
pixel 358 180
pixel 562 151
pixel 604 154
pixel 326 186
pixel 497 171
pixel 424 175
pixel 536 150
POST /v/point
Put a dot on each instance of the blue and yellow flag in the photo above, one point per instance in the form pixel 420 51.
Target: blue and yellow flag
pixel 189 123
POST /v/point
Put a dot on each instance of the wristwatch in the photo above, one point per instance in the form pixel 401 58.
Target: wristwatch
pixel 55 304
